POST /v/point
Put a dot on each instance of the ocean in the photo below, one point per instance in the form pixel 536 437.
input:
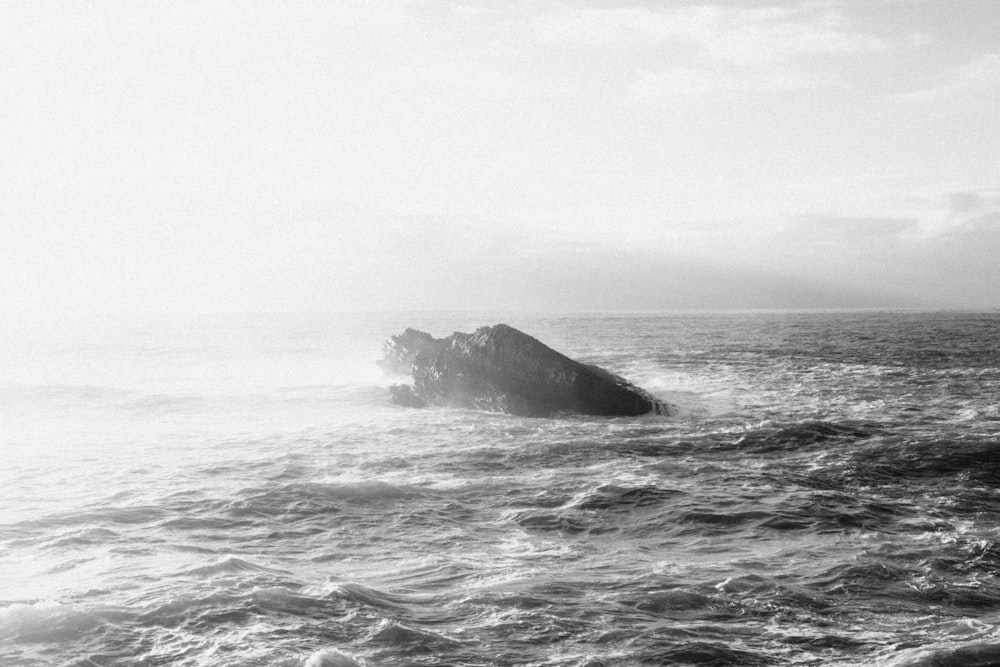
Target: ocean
pixel 239 491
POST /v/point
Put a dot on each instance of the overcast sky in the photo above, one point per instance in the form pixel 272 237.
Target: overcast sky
pixel 201 156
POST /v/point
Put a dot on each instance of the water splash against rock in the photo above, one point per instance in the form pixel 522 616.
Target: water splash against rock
pixel 501 369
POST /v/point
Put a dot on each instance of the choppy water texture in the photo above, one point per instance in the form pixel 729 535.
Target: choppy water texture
pixel 238 491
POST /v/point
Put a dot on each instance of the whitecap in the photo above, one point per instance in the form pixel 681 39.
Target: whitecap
pixel 48 622
pixel 333 658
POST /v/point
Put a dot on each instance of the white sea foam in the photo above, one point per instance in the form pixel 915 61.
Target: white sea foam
pixel 333 658
pixel 45 622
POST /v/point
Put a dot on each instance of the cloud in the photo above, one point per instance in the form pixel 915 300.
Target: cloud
pixel 639 279
pixel 916 218
pixel 975 225
pixel 848 229
pixel 942 253
pixel 679 82
pixel 965 202
pixel 683 51
pixel 959 213
pixel 973 78
pixel 971 202
pixel 762 36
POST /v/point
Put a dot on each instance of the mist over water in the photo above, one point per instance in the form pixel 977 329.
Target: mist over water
pixel 239 491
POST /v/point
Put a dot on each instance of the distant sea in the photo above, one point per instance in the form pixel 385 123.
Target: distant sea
pixel 239 491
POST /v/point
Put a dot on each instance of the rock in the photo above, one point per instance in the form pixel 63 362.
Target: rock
pixel 501 369
pixel 400 351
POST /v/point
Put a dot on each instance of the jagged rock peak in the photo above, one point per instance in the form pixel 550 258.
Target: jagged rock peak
pixel 502 369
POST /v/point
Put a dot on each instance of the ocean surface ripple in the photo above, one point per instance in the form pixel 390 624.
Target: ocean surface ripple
pixel 239 491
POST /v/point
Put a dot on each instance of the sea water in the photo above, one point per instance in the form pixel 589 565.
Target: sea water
pixel 238 490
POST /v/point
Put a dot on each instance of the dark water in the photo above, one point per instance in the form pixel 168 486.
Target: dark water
pixel 238 491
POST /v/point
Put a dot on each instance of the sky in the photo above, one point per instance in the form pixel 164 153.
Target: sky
pixel 249 156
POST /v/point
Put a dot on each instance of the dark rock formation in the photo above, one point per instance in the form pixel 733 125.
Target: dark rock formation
pixel 501 369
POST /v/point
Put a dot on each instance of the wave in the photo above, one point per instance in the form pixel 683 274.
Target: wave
pixel 74 393
pixel 333 658
pixel 432 573
pixel 701 653
pixel 551 522
pixel 142 514
pixel 393 633
pixel 673 602
pixel 301 500
pixel 85 537
pixel 166 404
pixel 369 597
pixel 773 437
pixel 216 607
pixel 604 508
pixel 931 457
pixel 974 655
pixel 231 565
pixel 612 497
pixel 45 622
